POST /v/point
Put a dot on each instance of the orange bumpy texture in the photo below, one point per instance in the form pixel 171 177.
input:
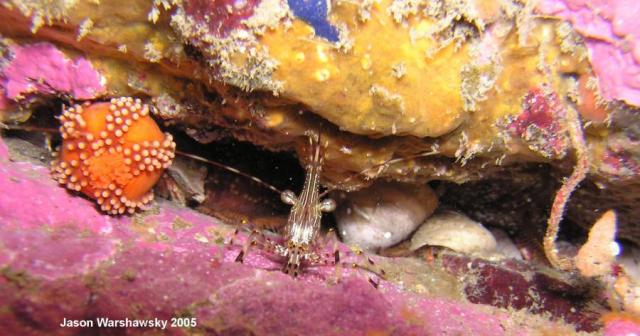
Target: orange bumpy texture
pixel 113 152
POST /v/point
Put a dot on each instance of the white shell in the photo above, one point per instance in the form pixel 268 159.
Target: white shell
pixel 506 248
pixel 454 231
pixel 383 214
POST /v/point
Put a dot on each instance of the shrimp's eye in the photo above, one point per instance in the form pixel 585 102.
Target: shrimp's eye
pixel 288 197
pixel 327 205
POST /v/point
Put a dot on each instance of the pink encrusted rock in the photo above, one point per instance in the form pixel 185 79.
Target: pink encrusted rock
pixel 41 67
pixel 539 123
pixel 4 152
pixel 5 103
pixel 220 16
pixel 612 32
pixel 621 327
pixel 618 163
pixel 62 259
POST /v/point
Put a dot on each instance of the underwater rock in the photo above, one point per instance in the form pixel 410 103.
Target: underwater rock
pixel 455 231
pixel 382 95
pixel 189 180
pixel 519 286
pixel 454 72
pixel 539 124
pixel 220 17
pixel 42 68
pixel 612 36
pixel 366 85
pixel 630 260
pixel 172 263
pixel 225 35
pixel 621 325
pixel 454 91
pixel 402 79
pixel 383 214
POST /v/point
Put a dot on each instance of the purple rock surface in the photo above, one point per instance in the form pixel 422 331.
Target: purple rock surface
pixel 612 32
pixel 621 327
pixel 41 67
pixel 62 259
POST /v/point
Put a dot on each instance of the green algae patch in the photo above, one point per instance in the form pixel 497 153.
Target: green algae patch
pixel 19 278
pixel 180 224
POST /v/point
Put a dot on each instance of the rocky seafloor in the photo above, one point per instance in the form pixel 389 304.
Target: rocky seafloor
pixel 483 153
pixel 172 262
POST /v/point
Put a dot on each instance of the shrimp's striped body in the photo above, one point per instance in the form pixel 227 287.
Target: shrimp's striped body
pixel 303 225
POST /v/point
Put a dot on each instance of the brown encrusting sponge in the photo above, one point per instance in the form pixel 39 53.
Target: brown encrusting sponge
pixel 113 152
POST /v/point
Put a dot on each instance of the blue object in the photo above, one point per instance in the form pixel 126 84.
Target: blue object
pixel 314 12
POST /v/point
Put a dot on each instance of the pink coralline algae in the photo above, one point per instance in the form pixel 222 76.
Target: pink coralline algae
pixel 57 264
pixel 41 67
pixel 221 16
pixel 612 32
pixel 4 102
pixel 621 327
pixel 539 123
pixel 618 162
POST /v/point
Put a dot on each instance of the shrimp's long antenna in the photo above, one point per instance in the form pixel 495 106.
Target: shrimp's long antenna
pixel 181 153
pixel 28 128
pixel 230 169
pixel 380 167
